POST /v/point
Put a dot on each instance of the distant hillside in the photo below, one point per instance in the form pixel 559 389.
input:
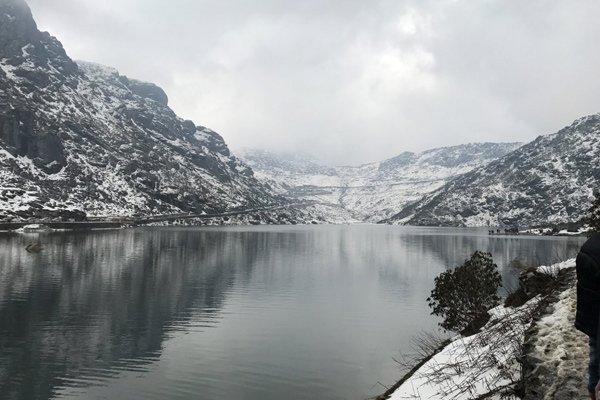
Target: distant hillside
pixel 549 180
pixel 374 191
pixel 285 163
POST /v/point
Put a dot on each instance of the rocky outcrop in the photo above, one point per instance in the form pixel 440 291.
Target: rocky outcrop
pixel 21 138
pixel 147 90
pixel 21 42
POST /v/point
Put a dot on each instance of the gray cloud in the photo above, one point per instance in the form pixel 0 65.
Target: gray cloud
pixel 350 81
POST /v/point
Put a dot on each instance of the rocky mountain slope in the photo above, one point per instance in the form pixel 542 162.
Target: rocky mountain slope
pixel 550 180
pixel 80 139
pixel 374 191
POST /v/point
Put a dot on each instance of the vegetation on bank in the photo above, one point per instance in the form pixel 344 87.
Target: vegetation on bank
pixel 463 296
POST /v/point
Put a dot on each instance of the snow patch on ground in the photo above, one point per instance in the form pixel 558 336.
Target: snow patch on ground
pixel 479 364
pixel 555 268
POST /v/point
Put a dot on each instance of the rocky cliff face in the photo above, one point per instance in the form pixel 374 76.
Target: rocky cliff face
pixel 550 180
pixel 79 138
pixel 375 191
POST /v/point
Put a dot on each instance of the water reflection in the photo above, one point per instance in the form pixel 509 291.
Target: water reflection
pixel 89 302
pixel 451 247
pixel 256 313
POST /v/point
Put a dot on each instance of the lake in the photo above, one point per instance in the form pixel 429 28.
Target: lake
pixel 262 312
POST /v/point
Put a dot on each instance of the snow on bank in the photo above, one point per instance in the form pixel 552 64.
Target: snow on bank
pixel 560 352
pixel 469 367
pixel 486 363
pixel 555 268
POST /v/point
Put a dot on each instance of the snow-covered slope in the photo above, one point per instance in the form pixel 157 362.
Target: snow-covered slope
pixel 533 348
pixel 79 138
pixel 375 191
pixel 550 180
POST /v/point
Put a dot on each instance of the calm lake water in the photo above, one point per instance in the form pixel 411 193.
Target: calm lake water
pixel 314 312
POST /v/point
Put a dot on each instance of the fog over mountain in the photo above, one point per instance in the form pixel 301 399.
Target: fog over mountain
pixel 349 81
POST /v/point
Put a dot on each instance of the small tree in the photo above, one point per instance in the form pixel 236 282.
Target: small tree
pixel 594 214
pixel 464 295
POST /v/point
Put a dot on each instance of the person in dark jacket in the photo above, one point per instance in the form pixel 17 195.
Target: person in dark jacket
pixel 587 319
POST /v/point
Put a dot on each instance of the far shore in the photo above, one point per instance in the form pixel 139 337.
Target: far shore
pixel 96 223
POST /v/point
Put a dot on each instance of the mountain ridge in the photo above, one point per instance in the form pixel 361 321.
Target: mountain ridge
pixel 549 180
pixel 374 191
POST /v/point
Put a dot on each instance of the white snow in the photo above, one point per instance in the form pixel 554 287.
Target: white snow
pixel 555 268
pixel 367 193
pixel 8 70
pixel 476 365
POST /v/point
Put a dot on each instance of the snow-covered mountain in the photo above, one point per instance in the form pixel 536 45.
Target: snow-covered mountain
pixel 375 191
pixel 550 180
pixel 79 138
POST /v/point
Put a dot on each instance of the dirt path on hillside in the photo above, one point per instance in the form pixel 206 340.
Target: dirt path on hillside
pixel 558 353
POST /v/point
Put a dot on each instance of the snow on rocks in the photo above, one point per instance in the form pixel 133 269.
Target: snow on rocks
pixel 555 268
pixel 547 181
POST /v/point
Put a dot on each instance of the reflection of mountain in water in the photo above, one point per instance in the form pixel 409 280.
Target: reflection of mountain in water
pixel 510 253
pixel 286 311
pixel 93 301
pixel 533 251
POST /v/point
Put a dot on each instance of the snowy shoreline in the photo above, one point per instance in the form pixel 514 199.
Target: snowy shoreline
pixel 530 351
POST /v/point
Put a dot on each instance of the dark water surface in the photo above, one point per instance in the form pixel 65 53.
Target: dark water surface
pixel 263 313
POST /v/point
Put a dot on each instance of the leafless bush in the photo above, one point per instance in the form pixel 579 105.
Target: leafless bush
pixel 424 345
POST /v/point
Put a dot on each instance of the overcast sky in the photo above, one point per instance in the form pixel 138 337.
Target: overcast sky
pixel 349 81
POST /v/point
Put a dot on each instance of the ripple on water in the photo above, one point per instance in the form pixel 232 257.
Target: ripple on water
pixel 254 313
